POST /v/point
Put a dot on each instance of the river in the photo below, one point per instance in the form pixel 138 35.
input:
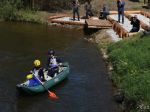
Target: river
pixel 87 88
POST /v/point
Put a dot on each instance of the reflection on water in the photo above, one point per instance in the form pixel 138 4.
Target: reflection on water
pixel 85 90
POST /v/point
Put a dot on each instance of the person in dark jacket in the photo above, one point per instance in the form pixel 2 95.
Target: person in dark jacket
pixel 104 12
pixel 52 63
pixel 75 5
pixel 135 23
pixel 120 6
pixel 88 9
pixel 38 71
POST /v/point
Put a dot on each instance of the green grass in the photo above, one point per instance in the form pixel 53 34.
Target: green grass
pixel 29 16
pixel 131 63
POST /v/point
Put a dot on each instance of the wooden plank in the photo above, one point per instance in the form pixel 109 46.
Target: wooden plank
pixel 98 23
pixel 130 12
pixel 134 33
pixel 68 21
pixel 58 16
pixel 133 12
pixel 113 12
pixel 97 27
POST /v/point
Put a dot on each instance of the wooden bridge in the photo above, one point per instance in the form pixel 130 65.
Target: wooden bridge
pixel 96 23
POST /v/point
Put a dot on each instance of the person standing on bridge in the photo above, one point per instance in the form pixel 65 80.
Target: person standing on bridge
pixel 88 9
pixel 120 5
pixel 75 5
pixel 104 12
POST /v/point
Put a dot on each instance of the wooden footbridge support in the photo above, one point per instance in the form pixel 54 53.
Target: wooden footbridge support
pixel 146 14
pixel 97 23
pixel 118 28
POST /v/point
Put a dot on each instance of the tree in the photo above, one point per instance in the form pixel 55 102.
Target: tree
pixel 33 3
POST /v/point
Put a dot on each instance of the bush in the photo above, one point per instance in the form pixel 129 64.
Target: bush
pixel 7 11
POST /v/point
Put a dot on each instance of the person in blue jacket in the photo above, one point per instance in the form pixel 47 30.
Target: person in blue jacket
pixel 32 81
pixel 120 6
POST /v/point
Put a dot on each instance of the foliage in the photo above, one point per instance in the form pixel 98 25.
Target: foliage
pixel 8 9
pixel 131 62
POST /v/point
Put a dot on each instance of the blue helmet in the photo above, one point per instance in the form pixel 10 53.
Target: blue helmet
pixel 51 52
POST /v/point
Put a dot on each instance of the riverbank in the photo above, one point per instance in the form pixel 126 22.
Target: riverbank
pixel 129 69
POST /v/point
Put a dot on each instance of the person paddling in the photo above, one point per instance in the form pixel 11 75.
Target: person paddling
pixel 38 71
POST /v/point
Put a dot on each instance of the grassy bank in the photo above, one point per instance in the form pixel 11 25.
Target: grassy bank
pixel 32 16
pixel 131 71
pixel 25 16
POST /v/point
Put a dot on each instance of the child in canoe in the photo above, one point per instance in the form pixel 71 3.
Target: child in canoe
pixel 31 81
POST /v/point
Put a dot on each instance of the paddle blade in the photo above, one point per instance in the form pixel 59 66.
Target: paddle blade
pixel 52 95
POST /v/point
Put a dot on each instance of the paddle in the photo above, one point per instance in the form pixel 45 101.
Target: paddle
pixel 52 95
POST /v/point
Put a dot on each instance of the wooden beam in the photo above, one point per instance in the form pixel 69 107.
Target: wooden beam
pixel 118 28
pixel 67 22
pixel 98 23
pixel 130 12
pixel 146 14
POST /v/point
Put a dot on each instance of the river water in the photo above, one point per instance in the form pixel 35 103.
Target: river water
pixel 87 88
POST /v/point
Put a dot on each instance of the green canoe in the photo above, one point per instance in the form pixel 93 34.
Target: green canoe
pixel 47 84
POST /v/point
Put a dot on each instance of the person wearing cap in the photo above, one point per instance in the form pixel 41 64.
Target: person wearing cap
pixel 135 24
pixel 37 70
pixel 52 63
pixel 31 81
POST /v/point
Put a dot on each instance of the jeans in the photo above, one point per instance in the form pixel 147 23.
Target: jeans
pixel 121 13
pixel 76 11
pixel 89 13
pixel 134 29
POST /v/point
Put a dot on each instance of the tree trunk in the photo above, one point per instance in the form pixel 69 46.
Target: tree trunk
pixel 32 4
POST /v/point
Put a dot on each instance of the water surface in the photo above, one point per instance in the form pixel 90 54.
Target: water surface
pixel 86 89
